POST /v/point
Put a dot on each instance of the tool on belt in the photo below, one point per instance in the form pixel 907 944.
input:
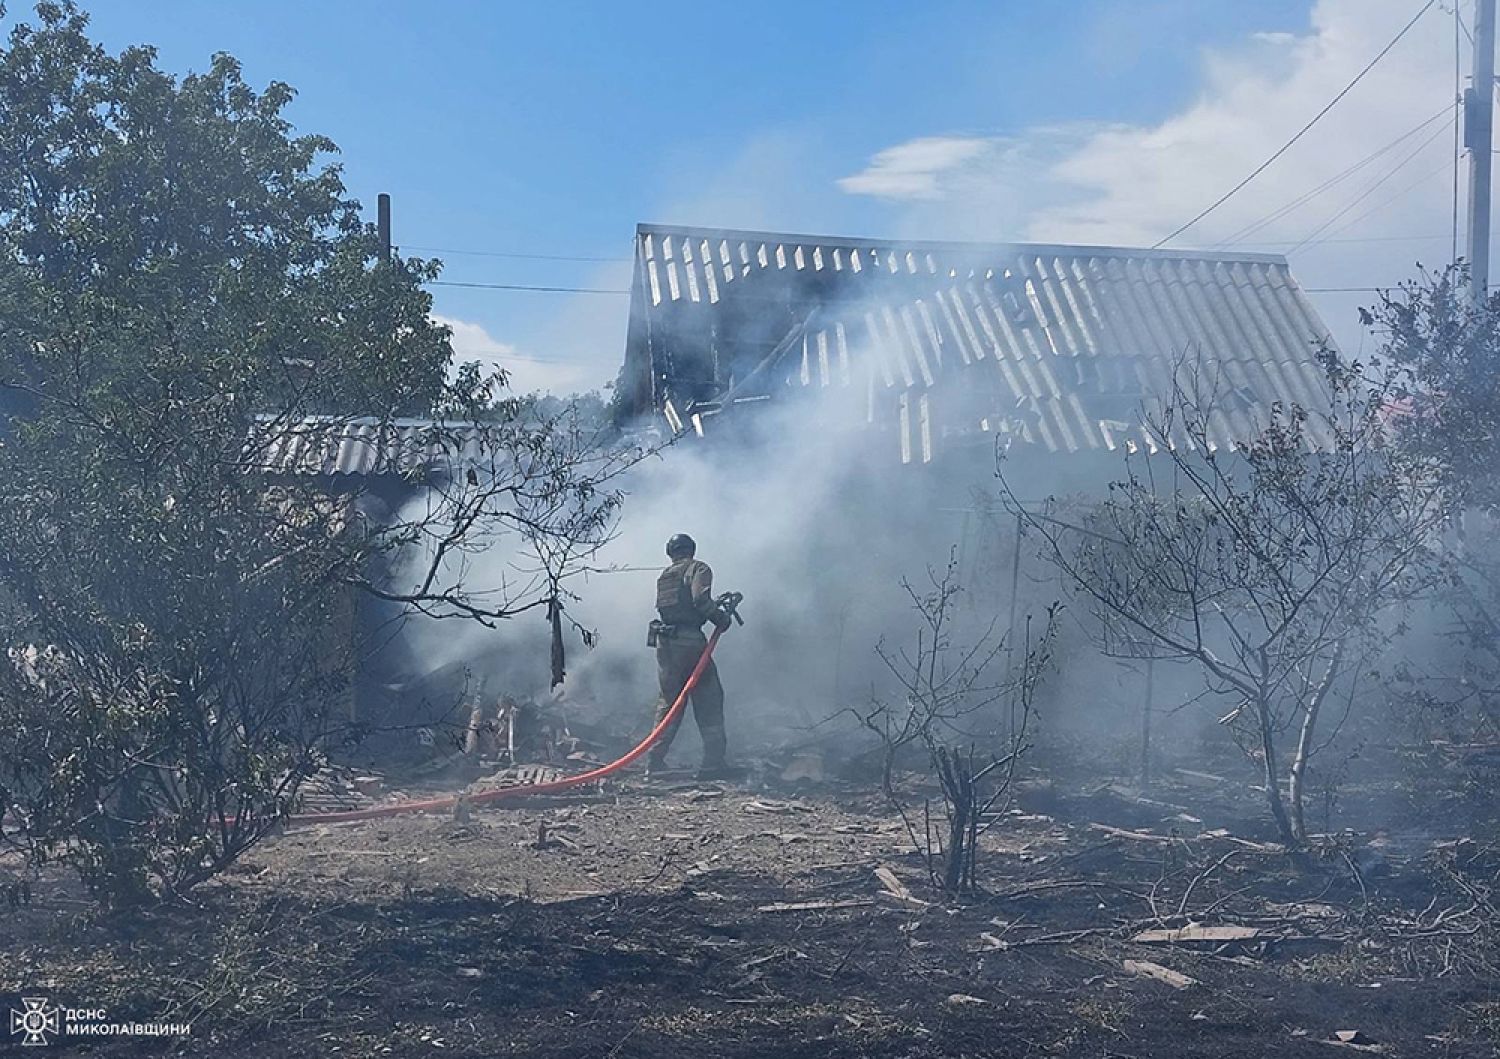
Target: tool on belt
pixel 728 605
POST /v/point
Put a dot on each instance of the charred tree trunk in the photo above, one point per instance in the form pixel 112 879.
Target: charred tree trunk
pixel 956 775
pixel 1297 782
pixel 1272 773
pixel 1146 707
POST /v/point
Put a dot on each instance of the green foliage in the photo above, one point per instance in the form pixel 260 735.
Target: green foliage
pixel 175 267
pixel 171 243
pixel 1447 349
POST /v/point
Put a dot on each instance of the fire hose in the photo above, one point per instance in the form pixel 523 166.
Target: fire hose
pixel 727 604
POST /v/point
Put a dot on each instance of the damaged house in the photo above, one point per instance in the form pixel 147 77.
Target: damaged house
pixel 373 468
pixel 942 349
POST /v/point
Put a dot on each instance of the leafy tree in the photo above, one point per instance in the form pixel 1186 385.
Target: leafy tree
pixel 192 312
pixel 1447 349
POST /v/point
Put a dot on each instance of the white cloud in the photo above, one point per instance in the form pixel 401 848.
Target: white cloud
pixel 1131 185
pixel 915 169
pixel 471 342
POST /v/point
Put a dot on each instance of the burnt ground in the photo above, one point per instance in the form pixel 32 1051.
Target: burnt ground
pixel 707 920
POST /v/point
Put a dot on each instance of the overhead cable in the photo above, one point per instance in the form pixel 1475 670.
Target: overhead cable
pixel 1307 196
pixel 514 254
pixel 1258 170
pixel 1411 156
pixel 528 287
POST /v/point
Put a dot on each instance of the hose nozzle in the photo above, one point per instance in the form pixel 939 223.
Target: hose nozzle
pixel 729 603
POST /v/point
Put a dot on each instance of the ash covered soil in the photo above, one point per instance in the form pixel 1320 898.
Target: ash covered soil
pixel 707 919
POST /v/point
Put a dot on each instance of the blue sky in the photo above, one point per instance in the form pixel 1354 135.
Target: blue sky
pixel 551 129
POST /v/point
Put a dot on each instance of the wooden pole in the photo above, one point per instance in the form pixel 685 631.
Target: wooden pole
pixel 383 224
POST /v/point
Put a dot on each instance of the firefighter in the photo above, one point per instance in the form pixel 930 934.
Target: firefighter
pixel 684 602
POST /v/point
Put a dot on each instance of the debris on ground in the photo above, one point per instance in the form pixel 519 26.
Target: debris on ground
pixel 336 789
pixel 678 914
pixel 894 887
pixel 1195 934
pixel 1147 969
pixel 815 906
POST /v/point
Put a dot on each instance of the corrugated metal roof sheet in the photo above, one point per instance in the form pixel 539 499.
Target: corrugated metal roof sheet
pixel 408 448
pixel 1057 345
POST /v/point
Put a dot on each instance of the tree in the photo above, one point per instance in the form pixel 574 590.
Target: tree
pixel 191 307
pixel 1447 350
pixel 1269 566
pixel 957 687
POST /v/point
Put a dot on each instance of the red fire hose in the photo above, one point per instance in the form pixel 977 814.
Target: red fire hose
pixel 550 787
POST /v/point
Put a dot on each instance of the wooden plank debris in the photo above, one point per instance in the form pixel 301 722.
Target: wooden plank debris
pixel 1147 969
pixel 1136 797
pixel 894 887
pixel 816 906
pixel 1195 934
pixel 1259 847
pixel 1203 777
pixel 1137 836
pixel 765 805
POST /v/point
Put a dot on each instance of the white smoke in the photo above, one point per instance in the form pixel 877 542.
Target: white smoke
pixel 814 519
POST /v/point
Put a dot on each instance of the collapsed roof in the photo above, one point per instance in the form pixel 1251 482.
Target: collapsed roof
pixel 1056 346
pixel 349 447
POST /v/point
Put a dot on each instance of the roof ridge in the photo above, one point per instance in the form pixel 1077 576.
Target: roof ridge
pixel 959 246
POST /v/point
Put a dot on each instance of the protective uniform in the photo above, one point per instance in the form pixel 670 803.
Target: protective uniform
pixel 684 600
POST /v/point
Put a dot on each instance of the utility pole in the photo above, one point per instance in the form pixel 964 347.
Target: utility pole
pixel 383 211
pixel 1479 128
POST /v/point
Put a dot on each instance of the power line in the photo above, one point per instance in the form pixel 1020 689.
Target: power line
pixel 506 358
pixel 1361 239
pixel 527 287
pixel 1276 215
pixel 1385 202
pixel 1410 157
pixel 514 254
pixel 1459 18
pixel 1258 170
pixel 1353 290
